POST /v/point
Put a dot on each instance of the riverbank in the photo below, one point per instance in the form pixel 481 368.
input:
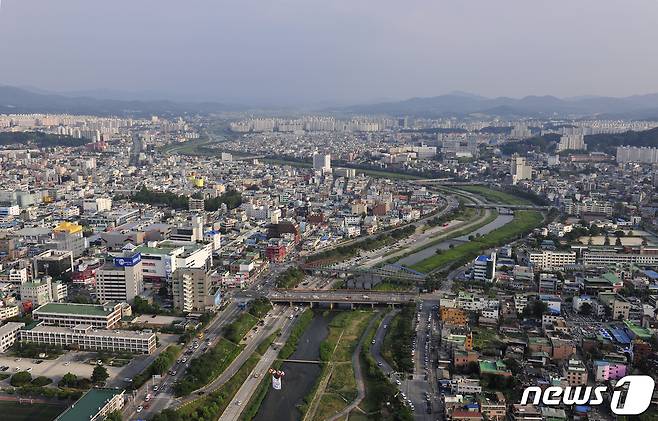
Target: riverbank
pixel 523 222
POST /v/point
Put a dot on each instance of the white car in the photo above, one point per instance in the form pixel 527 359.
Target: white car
pixel 139 408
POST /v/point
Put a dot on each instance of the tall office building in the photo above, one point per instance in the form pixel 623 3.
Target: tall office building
pixel 322 162
pixel 122 279
pixel 484 268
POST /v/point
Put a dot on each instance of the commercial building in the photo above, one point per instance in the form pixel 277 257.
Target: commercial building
pixel 87 338
pixel 8 334
pixel 94 405
pixel 484 268
pixel 42 291
pixel 55 263
pixel 104 316
pixel 121 280
pixel 68 236
pixel 192 290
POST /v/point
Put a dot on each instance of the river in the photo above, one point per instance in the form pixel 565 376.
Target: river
pixel 299 378
pixel 423 254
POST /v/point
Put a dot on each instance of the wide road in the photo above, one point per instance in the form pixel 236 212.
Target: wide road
pixel 165 394
pixel 243 395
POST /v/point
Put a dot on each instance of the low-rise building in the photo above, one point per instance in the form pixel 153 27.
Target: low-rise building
pixel 104 316
pixel 94 405
pixel 8 334
pixel 87 338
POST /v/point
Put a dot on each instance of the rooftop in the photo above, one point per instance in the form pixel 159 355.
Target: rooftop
pixel 79 309
pixel 88 405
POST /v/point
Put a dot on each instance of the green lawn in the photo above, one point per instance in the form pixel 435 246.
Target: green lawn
pixel 389 286
pixel 523 221
pixel 496 196
pixel 13 411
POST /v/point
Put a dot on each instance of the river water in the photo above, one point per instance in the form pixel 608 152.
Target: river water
pixel 444 245
pixel 281 405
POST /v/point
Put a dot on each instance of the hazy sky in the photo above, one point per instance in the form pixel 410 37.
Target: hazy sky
pixel 317 51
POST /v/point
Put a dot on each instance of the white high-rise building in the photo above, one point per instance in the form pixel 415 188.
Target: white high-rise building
pixel 520 170
pixel 121 280
pixel 322 162
pixel 572 142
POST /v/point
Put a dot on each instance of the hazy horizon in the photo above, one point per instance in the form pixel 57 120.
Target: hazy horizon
pixel 309 52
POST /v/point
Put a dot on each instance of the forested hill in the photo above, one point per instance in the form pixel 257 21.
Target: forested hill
pixel 39 139
pixel 606 143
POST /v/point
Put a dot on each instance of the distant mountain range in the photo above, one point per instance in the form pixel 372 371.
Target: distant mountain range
pixel 459 104
pixel 20 100
pixel 462 104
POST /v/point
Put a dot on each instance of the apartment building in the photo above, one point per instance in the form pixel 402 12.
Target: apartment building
pixel 87 338
pixel 102 316
pixel 551 260
pixel 192 290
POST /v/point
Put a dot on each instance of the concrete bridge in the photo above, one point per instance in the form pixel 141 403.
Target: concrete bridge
pixel 347 298
pixel 503 206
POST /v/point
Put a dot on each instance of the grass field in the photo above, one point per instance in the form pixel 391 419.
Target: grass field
pixel 344 333
pixel 522 222
pixel 13 411
pixel 496 196
pixel 389 286
pixel 243 324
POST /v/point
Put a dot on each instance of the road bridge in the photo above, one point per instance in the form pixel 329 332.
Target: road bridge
pixel 500 206
pixel 350 298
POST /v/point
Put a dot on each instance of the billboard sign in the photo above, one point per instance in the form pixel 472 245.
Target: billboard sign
pixel 127 261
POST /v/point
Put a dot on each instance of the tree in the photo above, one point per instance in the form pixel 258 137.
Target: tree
pixel 41 381
pixel 99 375
pixel 114 416
pixel 535 309
pixel 606 242
pixel 20 379
pixel 618 242
pixel 586 309
pixel 69 380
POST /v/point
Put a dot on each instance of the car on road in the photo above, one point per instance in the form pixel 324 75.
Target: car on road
pixel 379 364
pixel 139 408
pixel 398 382
pixel 238 403
pixel 67 363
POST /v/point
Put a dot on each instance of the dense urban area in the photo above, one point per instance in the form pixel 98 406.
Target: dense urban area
pixel 324 267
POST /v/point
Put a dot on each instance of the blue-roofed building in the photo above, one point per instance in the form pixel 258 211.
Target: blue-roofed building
pixel 484 268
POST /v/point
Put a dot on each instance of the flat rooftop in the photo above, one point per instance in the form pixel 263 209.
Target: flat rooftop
pixel 76 309
pixel 88 405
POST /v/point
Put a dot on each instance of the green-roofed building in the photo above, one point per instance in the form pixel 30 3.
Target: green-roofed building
pixel 638 331
pixel 494 367
pixel 94 405
pixel 103 316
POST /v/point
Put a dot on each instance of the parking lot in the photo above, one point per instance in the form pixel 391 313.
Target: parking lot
pixel 81 363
